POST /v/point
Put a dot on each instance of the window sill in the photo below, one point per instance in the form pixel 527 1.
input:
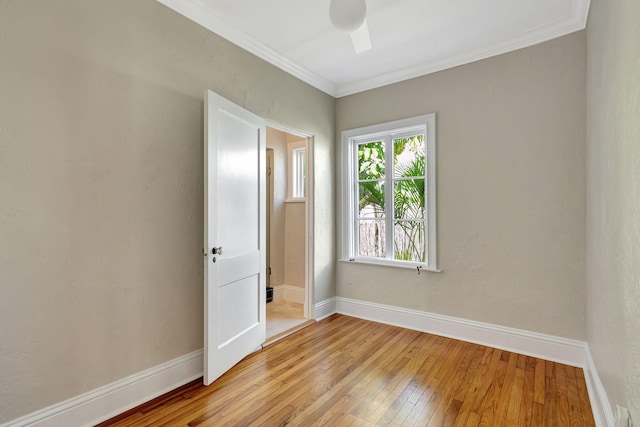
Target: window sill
pixel 296 200
pixel 420 267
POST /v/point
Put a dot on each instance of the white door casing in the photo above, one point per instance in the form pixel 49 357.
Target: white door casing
pixel 234 220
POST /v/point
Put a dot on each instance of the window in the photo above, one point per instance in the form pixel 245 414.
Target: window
pixel 389 211
pixel 296 171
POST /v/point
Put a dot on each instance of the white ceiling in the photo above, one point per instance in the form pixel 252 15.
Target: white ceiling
pixel 410 37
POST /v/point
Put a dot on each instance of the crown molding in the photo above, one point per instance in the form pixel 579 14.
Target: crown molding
pixel 204 16
pixel 577 22
pixel 197 12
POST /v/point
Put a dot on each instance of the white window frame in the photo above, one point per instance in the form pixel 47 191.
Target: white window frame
pixel 350 140
pixel 296 177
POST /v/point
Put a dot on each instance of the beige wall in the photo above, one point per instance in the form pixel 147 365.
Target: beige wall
pixel 511 190
pixel 101 117
pixel 294 250
pixel 613 198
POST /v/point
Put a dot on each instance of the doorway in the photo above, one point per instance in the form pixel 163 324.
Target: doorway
pixel 288 164
pixel 235 232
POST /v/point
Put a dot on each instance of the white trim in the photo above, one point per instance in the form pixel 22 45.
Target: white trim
pixel 602 412
pixel 417 266
pixel 205 16
pixel 113 399
pixel 309 208
pixel 350 139
pixel 325 308
pixel 577 22
pixel 288 293
pixel 548 347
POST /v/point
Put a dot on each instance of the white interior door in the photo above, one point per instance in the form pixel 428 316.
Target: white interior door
pixel 234 233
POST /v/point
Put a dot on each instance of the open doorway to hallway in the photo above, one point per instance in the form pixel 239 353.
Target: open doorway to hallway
pixel 287 236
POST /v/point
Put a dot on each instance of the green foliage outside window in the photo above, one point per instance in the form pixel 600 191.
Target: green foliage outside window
pixel 409 209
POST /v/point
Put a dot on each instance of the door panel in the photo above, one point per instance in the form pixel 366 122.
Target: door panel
pixel 235 287
pixel 238 267
pixel 242 317
pixel 238 173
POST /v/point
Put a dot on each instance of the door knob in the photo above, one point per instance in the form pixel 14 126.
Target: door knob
pixel 217 251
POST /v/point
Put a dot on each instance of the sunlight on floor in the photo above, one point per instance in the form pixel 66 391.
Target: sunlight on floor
pixel 283 315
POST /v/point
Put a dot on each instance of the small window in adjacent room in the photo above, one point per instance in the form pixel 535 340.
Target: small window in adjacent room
pixel 389 211
pixel 296 171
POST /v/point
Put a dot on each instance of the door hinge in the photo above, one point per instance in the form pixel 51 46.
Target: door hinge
pixel 269 171
pixel 269 271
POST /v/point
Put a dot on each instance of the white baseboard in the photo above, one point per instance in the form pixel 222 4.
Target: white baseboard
pixel 278 293
pixel 548 347
pixel 325 308
pixel 602 412
pixel 113 399
pixel 289 293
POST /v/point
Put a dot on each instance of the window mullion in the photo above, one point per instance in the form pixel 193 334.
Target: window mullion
pixel 427 204
pixel 388 196
pixel 355 233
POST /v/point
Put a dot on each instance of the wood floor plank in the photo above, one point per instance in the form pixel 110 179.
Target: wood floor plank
pixel 587 414
pixel 482 382
pixel 526 409
pixel 381 354
pixel 573 398
pixel 452 396
pixel 287 370
pixel 550 402
pixel 408 398
pixel 375 408
pixel 369 394
pixel 323 382
pixel 538 389
pixel 426 398
pixel 345 371
pixel 489 406
pixel 562 406
pixel 515 401
pixel 503 402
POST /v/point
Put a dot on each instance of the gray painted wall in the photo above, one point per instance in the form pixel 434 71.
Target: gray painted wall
pixel 101 123
pixel 294 241
pixel 613 198
pixel 511 190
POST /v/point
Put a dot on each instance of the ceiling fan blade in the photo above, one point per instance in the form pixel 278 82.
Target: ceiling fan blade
pixel 361 39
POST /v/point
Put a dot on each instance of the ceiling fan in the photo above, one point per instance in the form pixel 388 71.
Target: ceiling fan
pixel 350 16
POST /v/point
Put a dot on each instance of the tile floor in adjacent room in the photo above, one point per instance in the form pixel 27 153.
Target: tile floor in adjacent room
pixel 283 315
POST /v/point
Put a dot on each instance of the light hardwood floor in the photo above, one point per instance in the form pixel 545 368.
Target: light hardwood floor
pixel 344 371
